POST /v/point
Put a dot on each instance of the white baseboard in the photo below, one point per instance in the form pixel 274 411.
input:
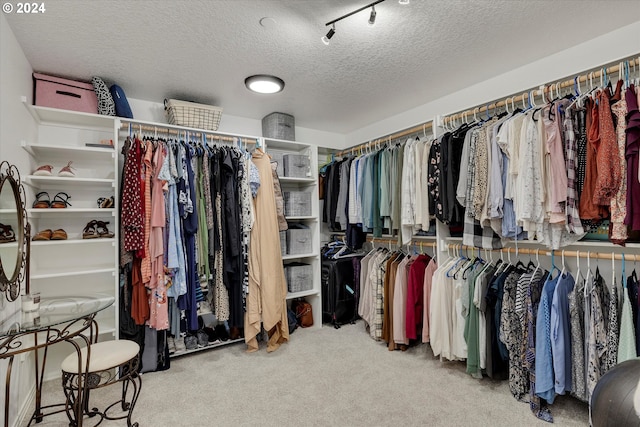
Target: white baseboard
pixel 27 408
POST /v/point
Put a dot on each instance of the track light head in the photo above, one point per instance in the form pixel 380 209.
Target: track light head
pixel 372 17
pixel 330 34
pixel 403 1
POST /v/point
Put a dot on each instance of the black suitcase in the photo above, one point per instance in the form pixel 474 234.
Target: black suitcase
pixel 339 291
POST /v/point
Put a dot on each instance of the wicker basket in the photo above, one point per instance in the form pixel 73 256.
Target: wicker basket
pixel 297 203
pixel 298 277
pixel 190 114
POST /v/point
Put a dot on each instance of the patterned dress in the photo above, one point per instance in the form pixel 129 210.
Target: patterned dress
pixel 511 334
pixel 534 292
pixel 576 314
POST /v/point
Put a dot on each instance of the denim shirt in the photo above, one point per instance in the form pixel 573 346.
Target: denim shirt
pixel 544 359
pixel 561 334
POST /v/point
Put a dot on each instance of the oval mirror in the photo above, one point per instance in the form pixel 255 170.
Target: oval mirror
pixel 11 231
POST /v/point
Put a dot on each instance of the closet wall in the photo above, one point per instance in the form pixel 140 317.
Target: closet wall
pixel 154 112
pixel 16 124
pixel 592 53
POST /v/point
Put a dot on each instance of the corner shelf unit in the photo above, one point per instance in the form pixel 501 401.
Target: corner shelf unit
pixel 75 266
pixel 305 184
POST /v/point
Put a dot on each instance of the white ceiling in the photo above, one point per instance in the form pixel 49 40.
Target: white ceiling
pixel 202 50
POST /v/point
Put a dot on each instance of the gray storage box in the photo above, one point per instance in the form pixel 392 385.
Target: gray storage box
pixel 299 240
pixel 297 166
pixel 279 126
pixel 297 203
pixel 299 277
pixel 276 156
pixel 283 242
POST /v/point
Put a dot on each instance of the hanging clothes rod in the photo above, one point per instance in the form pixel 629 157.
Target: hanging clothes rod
pixel 175 131
pixel 406 132
pixel 634 63
pixel 415 241
pixel 546 252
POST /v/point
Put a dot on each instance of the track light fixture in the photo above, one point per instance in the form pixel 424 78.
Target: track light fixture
pixel 332 31
pixel 372 17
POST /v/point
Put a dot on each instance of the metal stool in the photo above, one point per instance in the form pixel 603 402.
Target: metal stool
pixel 110 362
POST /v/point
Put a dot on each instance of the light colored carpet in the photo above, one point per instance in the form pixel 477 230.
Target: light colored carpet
pixel 324 377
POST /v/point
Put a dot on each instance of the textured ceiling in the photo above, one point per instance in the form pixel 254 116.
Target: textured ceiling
pixel 203 50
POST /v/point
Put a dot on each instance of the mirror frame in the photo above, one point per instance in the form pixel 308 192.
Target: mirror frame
pixel 10 286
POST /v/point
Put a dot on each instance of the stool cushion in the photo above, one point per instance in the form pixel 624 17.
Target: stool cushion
pixel 104 355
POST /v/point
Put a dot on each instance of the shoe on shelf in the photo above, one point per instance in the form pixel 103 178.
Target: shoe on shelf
pixel 171 343
pixel 59 234
pixel 42 201
pixel 106 202
pixel 6 234
pixel 43 235
pixel 179 345
pixel 44 170
pixel 67 171
pixel 60 200
pixel 191 342
pixel 90 230
pixel 102 229
pixel 203 338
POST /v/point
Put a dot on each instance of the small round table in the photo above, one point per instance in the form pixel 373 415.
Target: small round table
pixel 58 319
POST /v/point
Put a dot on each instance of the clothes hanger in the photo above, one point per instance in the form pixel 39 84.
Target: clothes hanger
pixel 587 289
pixel 613 270
pixel 553 266
pixel 624 275
pixel 456 265
pixel 537 265
pixel 578 271
pixel 564 266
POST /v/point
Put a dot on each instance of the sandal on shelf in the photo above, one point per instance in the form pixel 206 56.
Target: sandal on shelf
pixel 60 200
pixel 42 200
pixel 44 170
pixel 43 235
pixel 59 234
pixel 103 231
pixel 105 202
pixel 90 231
pixel 6 234
pixel 67 171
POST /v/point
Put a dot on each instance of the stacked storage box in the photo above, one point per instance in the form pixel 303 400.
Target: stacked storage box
pixel 297 166
pixel 283 242
pixel 298 277
pixel 297 203
pixel 299 239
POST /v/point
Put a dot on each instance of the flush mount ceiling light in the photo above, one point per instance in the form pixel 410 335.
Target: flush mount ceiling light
pixel 263 83
pixel 403 1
